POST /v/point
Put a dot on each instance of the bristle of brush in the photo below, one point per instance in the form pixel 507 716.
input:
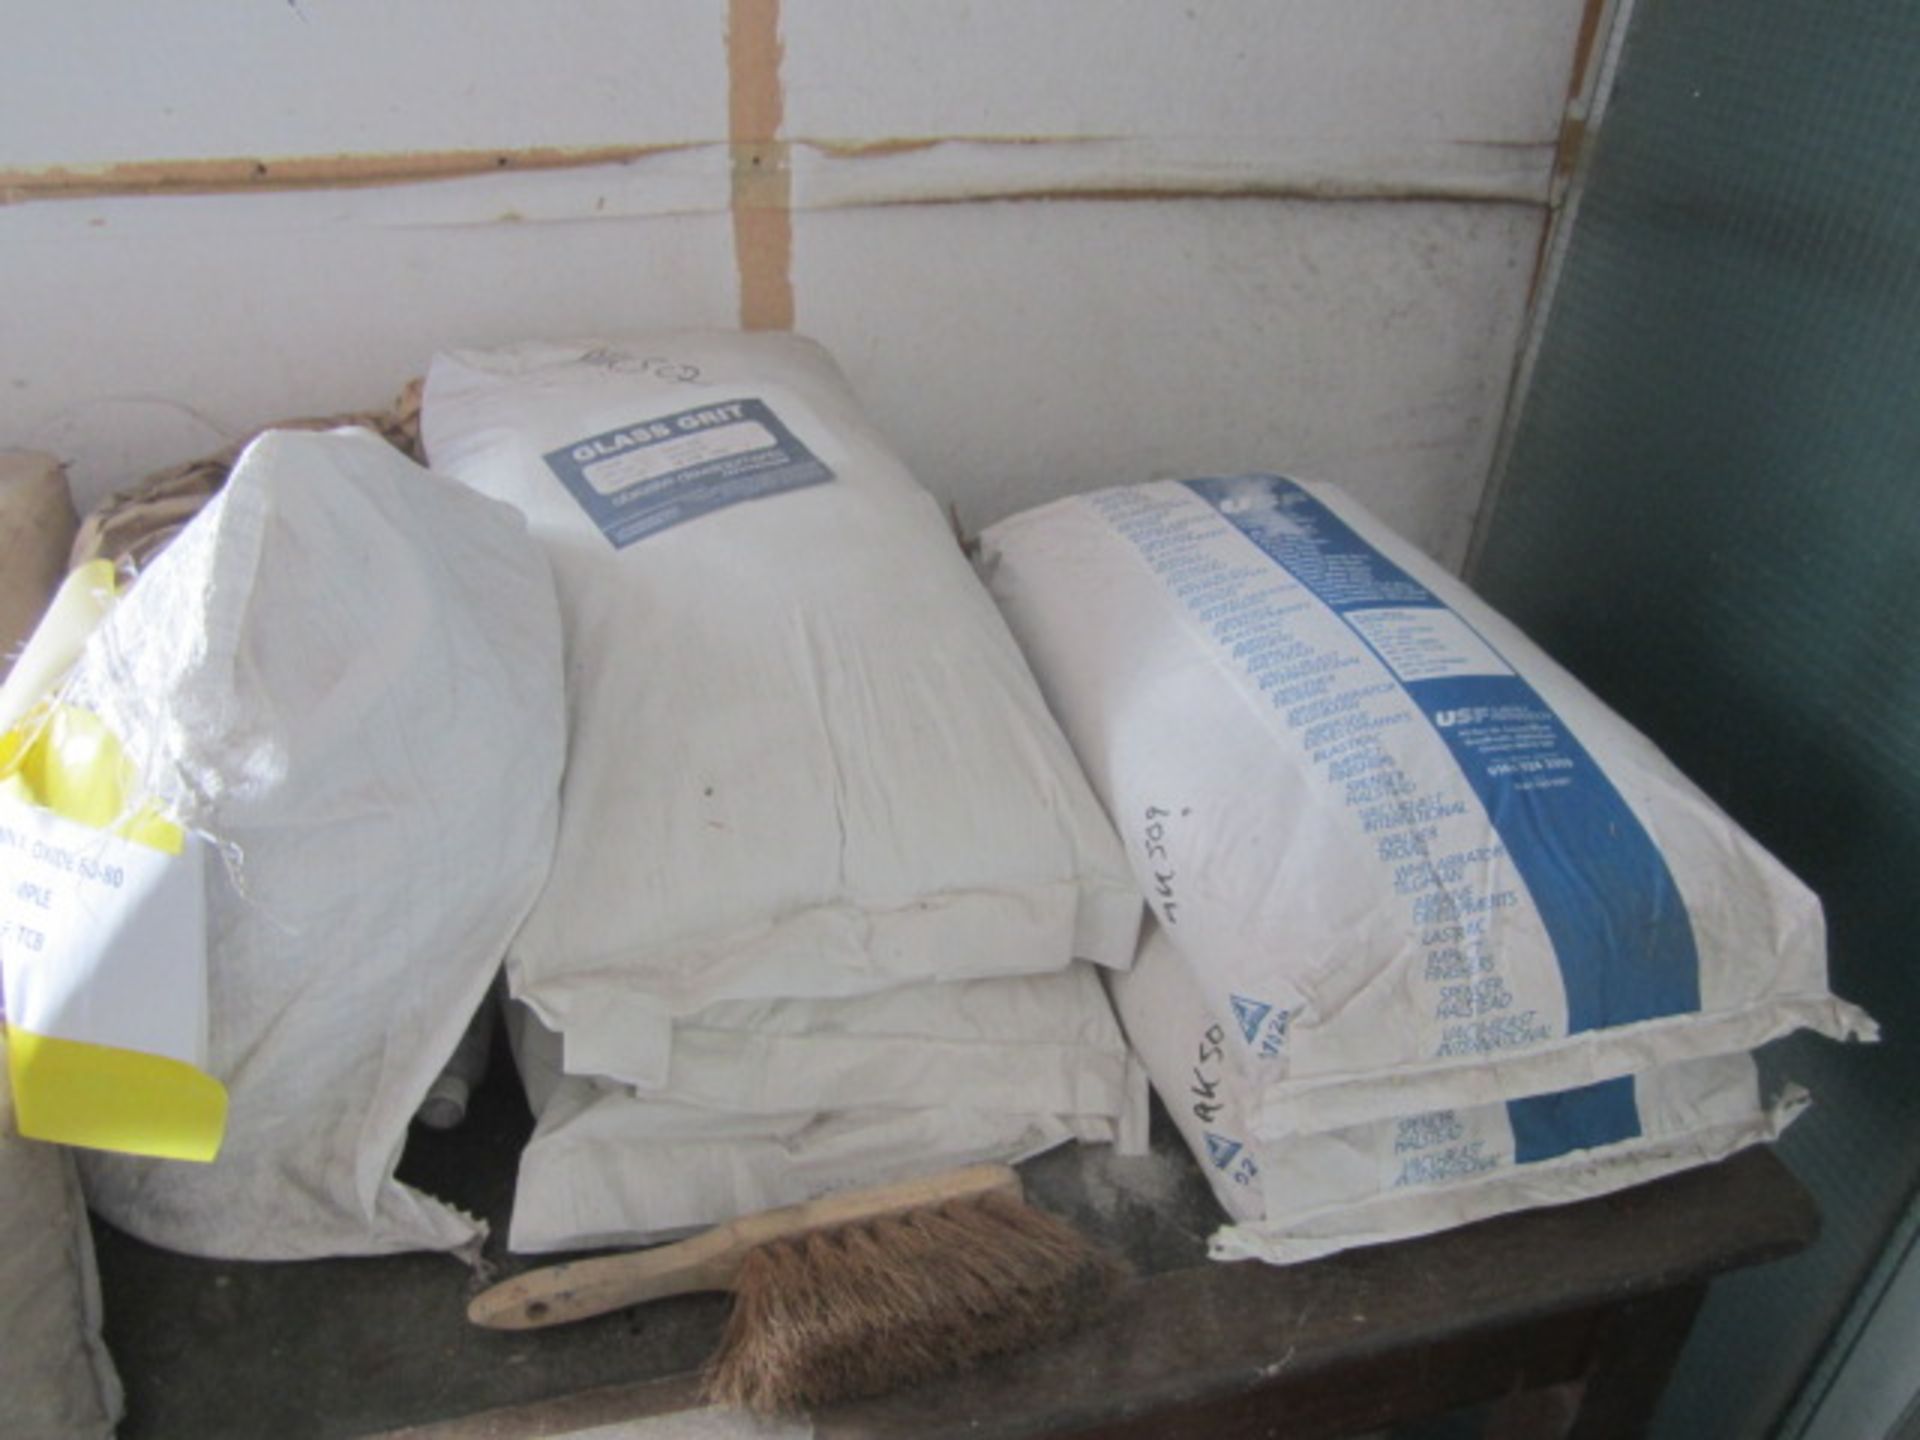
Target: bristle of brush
pixel 859 1310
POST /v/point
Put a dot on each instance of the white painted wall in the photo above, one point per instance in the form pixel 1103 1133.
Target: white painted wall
pixel 1127 237
pixel 110 81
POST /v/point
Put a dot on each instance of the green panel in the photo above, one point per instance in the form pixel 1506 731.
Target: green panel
pixel 1711 512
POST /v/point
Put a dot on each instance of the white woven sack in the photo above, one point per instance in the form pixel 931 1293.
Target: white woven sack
pixel 1403 851
pixel 807 759
pixel 346 672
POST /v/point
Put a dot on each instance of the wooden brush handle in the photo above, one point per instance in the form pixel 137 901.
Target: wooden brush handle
pixel 578 1289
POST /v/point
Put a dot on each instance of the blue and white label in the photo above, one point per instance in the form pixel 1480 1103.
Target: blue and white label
pixel 1619 928
pixel 1446 1147
pixel 650 476
pixel 1493 865
pixel 1425 643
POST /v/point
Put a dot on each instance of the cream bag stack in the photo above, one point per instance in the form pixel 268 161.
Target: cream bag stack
pixel 1302 1196
pixel 773 1102
pixel 1407 863
pixel 807 761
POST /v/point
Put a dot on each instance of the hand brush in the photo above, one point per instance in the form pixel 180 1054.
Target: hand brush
pixel 852 1294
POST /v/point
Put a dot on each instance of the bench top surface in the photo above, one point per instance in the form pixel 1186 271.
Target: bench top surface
pixel 349 1347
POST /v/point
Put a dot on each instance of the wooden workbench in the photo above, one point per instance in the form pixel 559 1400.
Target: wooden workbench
pixel 1567 1319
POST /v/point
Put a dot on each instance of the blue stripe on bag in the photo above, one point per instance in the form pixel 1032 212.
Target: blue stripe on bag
pixel 1548 1126
pixel 1616 920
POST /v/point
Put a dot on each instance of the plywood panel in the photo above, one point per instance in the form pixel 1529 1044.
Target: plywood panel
pixel 1183 278
pixel 1021 351
pixel 123 81
pixel 1322 96
pixel 1462 96
pixel 138 332
pixel 1461 71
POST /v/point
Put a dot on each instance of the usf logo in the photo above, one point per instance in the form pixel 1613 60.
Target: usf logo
pixel 1221 1150
pixel 1232 1157
pixel 1263 1025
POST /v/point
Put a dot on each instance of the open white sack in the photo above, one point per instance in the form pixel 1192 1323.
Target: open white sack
pixel 773 1103
pixel 1045 1043
pixel 346 673
pixel 807 759
pixel 1434 1167
pixel 1403 851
